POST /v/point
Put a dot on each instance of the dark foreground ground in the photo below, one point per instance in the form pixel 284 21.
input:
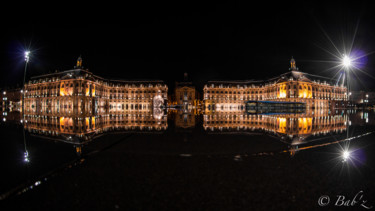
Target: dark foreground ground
pixel 217 172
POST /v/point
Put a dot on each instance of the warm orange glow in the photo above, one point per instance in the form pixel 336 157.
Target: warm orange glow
pixel 282 92
pixel 93 123
pixel 87 122
pixel 293 64
pixel 304 125
pixel 305 92
pixel 88 90
pixel 61 120
pixel 281 122
pixel 65 123
pixel 79 63
pixel 93 90
pixel 66 90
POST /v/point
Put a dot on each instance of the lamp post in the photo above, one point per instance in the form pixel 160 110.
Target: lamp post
pixel 27 58
pixel 26 153
pixel 346 63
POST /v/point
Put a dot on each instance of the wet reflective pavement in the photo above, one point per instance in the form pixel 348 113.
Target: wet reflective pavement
pixel 186 160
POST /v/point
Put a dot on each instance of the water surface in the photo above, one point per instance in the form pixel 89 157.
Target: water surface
pixel 195 159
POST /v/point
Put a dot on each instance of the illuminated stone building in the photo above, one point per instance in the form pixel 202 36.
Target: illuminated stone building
pixel 80 130
pixel 86 128
pixel 294 86
pixel 298 131
pixel 185 93
pixel 184 120
pixel 79 92
pixel 10 99
pixel 296 127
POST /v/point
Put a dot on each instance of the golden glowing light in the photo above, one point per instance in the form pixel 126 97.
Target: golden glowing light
pixel 305 92
pixel 93 90
pixel 66 90
pixel 281 122
pixel 304 125
pixel 65 123
pixel 282 91
pixel 88 90
pixel 93 123
pixel 87 122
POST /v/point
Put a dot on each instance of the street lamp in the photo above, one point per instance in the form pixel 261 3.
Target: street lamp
pixel 27 58
pixel 26 157
pixel 26 153
pixel 346 61
pixel 346 155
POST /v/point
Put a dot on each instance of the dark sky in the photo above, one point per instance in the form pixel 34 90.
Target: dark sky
pixel 235 40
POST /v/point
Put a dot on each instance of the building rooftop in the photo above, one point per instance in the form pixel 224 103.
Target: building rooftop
pixel 184 83
pixel 79 72
pixel 75 73
pixel 294 74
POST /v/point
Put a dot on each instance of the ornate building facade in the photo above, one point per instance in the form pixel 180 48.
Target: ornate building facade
pixel 80 129
pixel 294 86
pixel 185 93
pixel 293 127
pixel 79 92
pixel 10 99
pixel 309 123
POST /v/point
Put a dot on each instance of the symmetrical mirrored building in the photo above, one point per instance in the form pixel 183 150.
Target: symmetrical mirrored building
pixel 185 93
pixel 79 92
pixel 80 129
pixel 290 124
pixel 76 105
pixel 294 86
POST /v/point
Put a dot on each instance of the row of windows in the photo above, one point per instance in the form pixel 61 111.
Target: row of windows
pixel 278 89
pixel 80 85
pixel 127 106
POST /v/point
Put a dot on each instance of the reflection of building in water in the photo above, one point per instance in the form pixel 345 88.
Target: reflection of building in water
pixel 184 120
pixel 10 116
pixel 79 92
pixel 185 93
pixel 10 100
pixel 361 117
pixel 291 125
pixel 293 86
pixel 362 98
pixel 78 129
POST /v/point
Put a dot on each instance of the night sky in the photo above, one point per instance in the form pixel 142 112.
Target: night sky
pixel 237 40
